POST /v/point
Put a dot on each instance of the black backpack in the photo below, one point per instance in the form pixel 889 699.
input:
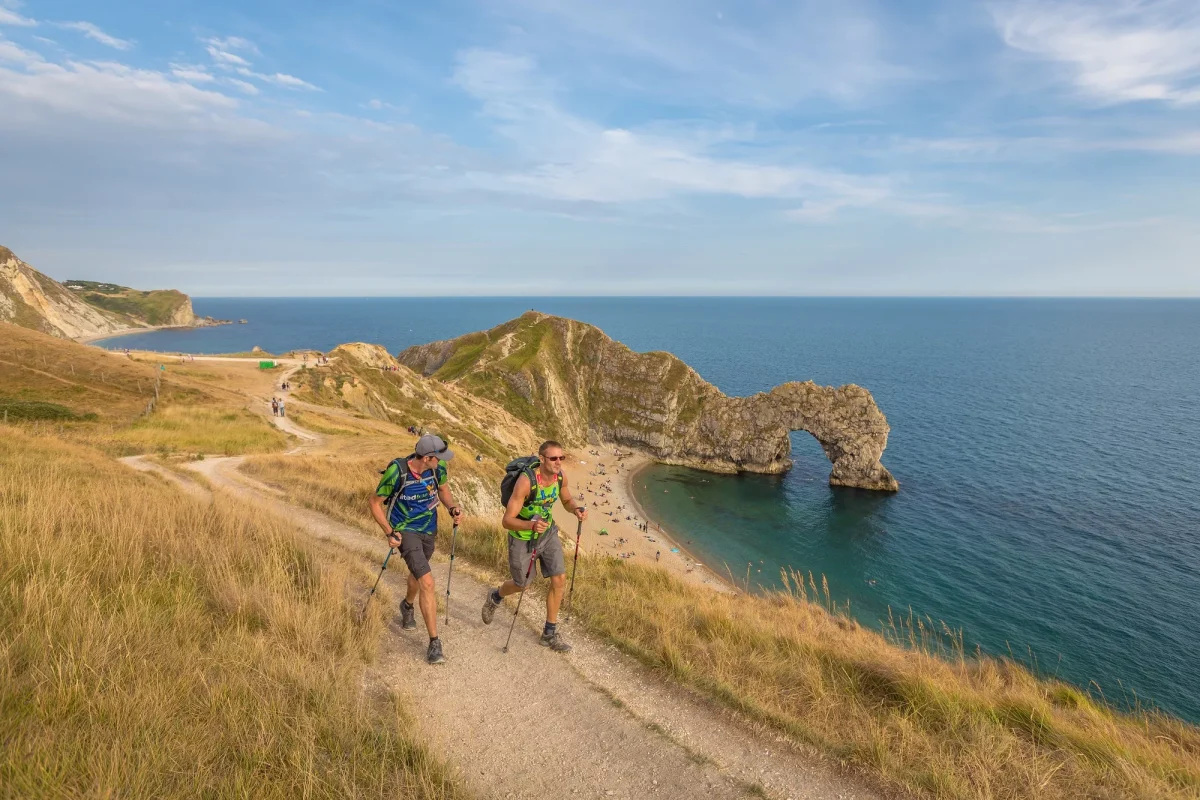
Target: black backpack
pixel 515 469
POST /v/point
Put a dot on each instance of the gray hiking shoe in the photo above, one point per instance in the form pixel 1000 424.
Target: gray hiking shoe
pixel 434 656
pixel 489 608
pixel 408 616
pixel 555 642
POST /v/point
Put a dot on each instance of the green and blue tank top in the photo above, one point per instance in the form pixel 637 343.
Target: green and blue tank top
pixel 416 503
pixel 541 502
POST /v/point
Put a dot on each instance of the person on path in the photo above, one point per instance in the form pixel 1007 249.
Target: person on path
pixel 535 495
pixel 282 411
pixel 274 407
pixel 418 484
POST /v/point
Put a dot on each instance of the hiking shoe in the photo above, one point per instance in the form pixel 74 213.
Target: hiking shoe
pixel 555 642
pixel 434 656
pixel 408 616
pixel 489 608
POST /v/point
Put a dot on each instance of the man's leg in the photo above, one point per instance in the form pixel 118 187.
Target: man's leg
pixel 428 600
pixel 554 597
pixel 520 553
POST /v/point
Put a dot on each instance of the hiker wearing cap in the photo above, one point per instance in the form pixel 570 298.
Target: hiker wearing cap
pixel 533 536
pixel 405 506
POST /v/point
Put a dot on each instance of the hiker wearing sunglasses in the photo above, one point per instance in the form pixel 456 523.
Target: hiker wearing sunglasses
pixel 405 506
pixel 533 536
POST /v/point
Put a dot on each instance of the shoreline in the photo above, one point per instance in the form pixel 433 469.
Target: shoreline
pixel 610 499
pixel 147 329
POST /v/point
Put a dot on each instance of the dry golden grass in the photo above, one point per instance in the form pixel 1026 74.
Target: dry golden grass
pixel 954 727
pixel 152 645
pixel 104 396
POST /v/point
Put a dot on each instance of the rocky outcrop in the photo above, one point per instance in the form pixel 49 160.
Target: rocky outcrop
pixel 570 381
pixel 85 309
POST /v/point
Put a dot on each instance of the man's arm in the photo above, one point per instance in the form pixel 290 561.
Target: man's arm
pixel 386 484
pixel 515 503
pixel 448 501
pixel 568 501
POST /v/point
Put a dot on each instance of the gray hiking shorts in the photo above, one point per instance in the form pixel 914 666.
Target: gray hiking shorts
pixel 549 556
pixel 417 549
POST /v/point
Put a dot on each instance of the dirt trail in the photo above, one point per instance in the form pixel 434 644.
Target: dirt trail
pixel 532 723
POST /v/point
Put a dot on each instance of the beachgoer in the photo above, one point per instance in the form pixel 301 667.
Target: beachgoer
pixel 534 496
pixel 418 484
pixel 657 555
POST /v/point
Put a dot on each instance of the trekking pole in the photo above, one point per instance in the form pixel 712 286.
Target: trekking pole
pixel 363 613
pixel 574 567
pixel 450 574
pixel 528 572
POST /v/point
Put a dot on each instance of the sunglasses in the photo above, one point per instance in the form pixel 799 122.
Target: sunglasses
pixel 556 458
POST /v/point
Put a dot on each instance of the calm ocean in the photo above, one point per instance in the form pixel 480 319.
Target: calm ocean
pixel 1048 453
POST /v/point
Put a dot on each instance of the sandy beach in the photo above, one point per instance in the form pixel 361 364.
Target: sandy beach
pixel 605 480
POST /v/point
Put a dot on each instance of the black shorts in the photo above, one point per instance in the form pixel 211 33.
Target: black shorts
pixel 416 549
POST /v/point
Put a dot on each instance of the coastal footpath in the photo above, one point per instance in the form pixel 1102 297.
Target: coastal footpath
pixel 87 310
pixel 571 380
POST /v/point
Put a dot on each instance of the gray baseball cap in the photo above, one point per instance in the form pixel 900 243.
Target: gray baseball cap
pixel 430 445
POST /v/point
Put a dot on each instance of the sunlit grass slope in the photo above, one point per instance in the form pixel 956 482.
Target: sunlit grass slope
pixel 919 716
pixel 86 394
pixel 152 645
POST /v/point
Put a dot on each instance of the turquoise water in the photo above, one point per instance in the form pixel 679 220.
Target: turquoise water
pixel 1048 453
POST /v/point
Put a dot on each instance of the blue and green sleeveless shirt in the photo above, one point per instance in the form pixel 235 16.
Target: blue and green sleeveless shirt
pixel 416 506
pixel 541 502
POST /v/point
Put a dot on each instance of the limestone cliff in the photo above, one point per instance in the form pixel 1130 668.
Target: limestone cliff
pixel 570 381
pixel 83 309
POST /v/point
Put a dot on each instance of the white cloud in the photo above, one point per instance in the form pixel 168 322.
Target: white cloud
pixel 574 159
pixel 40 92
pixel 15 54
pixel 8 17
pixel 245 86
pixel 191 73
pixel 233 43
pixel 290 81
pixel 226 58
pixel 95 34
pixel 1116 50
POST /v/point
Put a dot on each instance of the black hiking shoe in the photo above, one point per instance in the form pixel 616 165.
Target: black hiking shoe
pixel 408 616
pixel 434 656
pixel 489 608
pixel 555 642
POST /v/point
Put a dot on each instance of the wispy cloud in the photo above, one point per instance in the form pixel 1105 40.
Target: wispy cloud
pixel 1114 50
pixel 94 33
pixel 192 73
pixel 10 17
pixel 278 78
pixel 570 158
pixel 244 86
pixel 769 56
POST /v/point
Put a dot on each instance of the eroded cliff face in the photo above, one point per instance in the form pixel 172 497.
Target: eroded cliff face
pixel 570 381
pixel 32 300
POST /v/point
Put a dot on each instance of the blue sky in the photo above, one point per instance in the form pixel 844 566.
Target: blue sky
pixel 483 147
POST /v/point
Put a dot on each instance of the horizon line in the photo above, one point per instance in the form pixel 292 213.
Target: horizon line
pixel 700 297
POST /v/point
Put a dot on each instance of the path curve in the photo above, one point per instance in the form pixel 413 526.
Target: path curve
pixel 532 723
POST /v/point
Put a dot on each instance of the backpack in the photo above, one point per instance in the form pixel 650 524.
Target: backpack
pixel 515 469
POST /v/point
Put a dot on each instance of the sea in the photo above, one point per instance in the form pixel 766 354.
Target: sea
pixel 1048 454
